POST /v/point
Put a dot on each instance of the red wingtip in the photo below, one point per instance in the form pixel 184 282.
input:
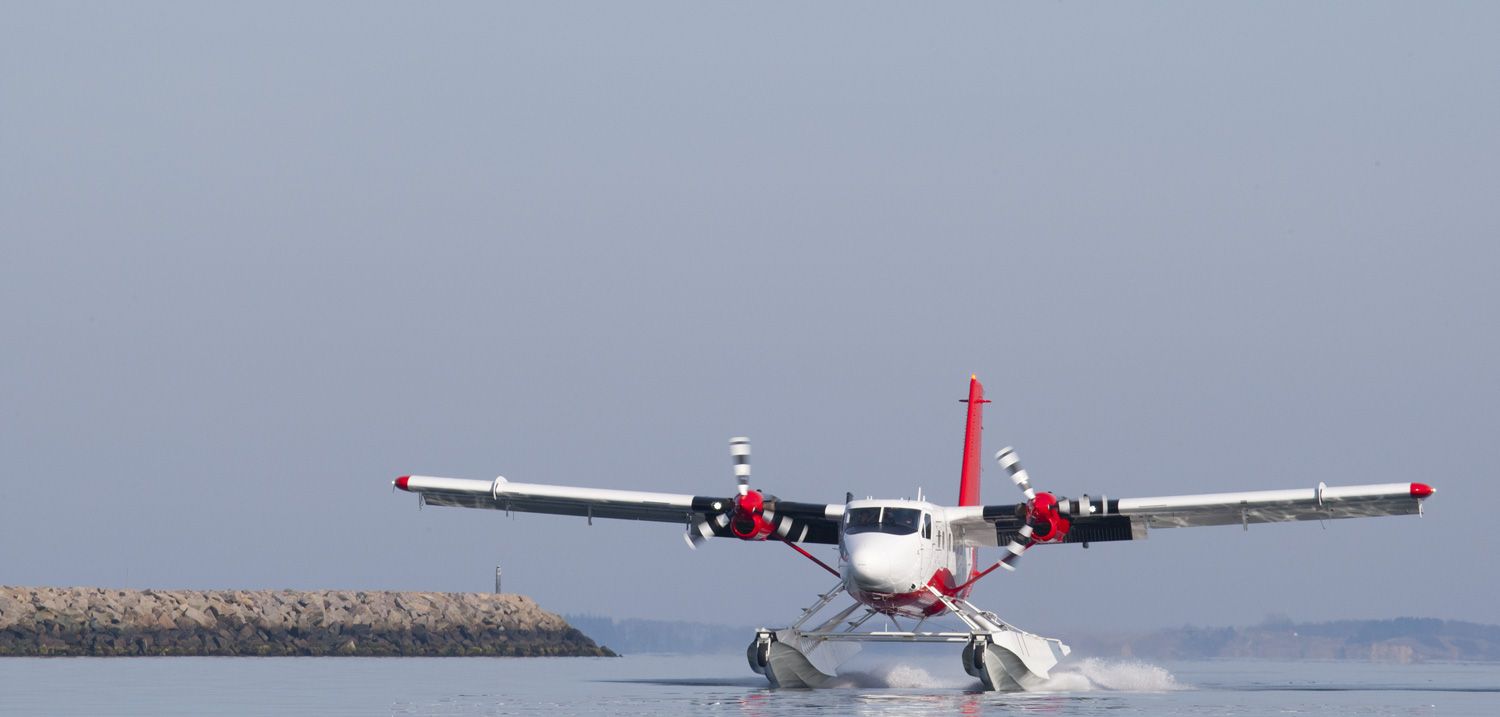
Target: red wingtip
pixel 1421 490
pixel 401 483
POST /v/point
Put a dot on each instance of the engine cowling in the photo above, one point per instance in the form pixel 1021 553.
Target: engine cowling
pixel 749 519
pixel 1046 521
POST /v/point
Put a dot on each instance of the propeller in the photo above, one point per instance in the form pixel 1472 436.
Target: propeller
pixel 744 515
pixel 1040 518
pixel 748 515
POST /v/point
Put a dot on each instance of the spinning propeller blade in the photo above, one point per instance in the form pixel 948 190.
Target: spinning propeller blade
pixel 739 452
pixel 1007 459
pixel 704 529
pixel 1040 520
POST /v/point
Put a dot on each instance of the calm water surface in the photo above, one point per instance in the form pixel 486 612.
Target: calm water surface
pixel 664 686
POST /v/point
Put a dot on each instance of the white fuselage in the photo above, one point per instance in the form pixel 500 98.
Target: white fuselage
pixel 891 551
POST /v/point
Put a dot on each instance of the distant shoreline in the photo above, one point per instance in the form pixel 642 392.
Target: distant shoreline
pixel 100 622
pixel 1399 640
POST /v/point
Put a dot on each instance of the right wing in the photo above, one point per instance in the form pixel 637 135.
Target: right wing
pixel 794 522
pixel 1276 506
pixel 1104 519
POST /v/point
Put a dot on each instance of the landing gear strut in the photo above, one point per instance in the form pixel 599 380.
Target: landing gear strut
pixel 1002 657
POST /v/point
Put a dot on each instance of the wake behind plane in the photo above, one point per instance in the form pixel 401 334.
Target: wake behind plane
pixel 915 559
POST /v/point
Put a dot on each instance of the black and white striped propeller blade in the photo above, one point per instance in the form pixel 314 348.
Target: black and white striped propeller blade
pixel 1007 459
pixel 705 529
pixel 718 522
pixel 739 452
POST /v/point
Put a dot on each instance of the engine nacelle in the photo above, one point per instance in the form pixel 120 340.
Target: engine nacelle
pixel 1047 523
pixel 749 519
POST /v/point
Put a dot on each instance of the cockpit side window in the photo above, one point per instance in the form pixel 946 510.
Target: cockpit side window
pixel 927 526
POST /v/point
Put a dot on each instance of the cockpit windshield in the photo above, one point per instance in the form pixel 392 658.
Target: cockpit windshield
pixel 895 521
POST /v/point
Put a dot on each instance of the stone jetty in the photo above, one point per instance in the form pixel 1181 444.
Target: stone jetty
pixel 113 622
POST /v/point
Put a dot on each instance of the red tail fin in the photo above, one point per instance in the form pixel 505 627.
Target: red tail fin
pixel 968 486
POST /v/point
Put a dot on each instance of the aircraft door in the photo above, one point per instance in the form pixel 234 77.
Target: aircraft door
pixel 928 551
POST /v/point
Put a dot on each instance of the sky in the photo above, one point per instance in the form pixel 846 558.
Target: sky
pixel 258 260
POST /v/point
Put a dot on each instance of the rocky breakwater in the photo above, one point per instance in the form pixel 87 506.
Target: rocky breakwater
pixel 103 622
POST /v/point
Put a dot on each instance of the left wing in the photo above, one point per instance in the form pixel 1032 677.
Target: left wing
pixel 791 521
pixel 1104 519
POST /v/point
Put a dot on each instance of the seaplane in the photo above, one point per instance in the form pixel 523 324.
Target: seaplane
pixel 915 560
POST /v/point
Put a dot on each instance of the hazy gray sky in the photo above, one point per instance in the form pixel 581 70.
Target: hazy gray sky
pixel 258 260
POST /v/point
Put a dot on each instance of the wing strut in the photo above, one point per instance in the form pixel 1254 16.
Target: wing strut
pixel 1014 550
pixel 811 557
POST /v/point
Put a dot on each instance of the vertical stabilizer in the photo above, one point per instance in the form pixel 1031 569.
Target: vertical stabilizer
pixel 968 487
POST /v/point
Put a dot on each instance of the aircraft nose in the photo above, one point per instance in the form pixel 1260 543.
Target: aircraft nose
pixel 874 572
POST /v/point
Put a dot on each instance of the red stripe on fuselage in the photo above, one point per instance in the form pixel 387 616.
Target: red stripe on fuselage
pixel 917 603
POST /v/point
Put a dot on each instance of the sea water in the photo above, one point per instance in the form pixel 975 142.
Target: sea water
pixel 665 686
